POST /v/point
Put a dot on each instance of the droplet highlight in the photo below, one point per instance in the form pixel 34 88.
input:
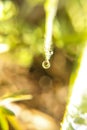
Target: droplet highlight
pixel 51 52
pixel 46 64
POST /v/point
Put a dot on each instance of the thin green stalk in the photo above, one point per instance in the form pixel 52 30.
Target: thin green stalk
pixel 50 11
pixel 76 113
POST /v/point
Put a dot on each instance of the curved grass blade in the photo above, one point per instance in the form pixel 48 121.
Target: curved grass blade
pixel 6 111
pixel 3 121
pixel 14 122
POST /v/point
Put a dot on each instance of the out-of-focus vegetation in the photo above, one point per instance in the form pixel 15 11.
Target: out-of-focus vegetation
pixel 22 32
pixel 24 39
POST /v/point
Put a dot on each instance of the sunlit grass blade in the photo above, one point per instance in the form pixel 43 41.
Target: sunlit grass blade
pixel 3 121
pixel 14 123
pixel 6 111
pixel 14 98
pixel 19 98
pixel 76 112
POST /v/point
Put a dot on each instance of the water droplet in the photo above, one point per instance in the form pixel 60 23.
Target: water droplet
pixel 51 52
pixel 46 64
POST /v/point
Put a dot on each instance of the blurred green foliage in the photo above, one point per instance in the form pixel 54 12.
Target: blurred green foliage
pixel 25 39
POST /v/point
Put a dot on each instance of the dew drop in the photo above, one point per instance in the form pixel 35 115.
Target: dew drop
pixel 51 52
pixel 46 64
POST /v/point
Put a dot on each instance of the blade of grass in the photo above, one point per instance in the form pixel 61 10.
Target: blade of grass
pixel 3 121
pixel 14 123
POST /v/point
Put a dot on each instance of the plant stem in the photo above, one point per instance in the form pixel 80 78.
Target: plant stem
pixel 50 11
pixel 76 114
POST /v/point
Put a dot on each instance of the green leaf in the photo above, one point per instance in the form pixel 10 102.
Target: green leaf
pixel 3 122
pixel 6 111
pixel 14 123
